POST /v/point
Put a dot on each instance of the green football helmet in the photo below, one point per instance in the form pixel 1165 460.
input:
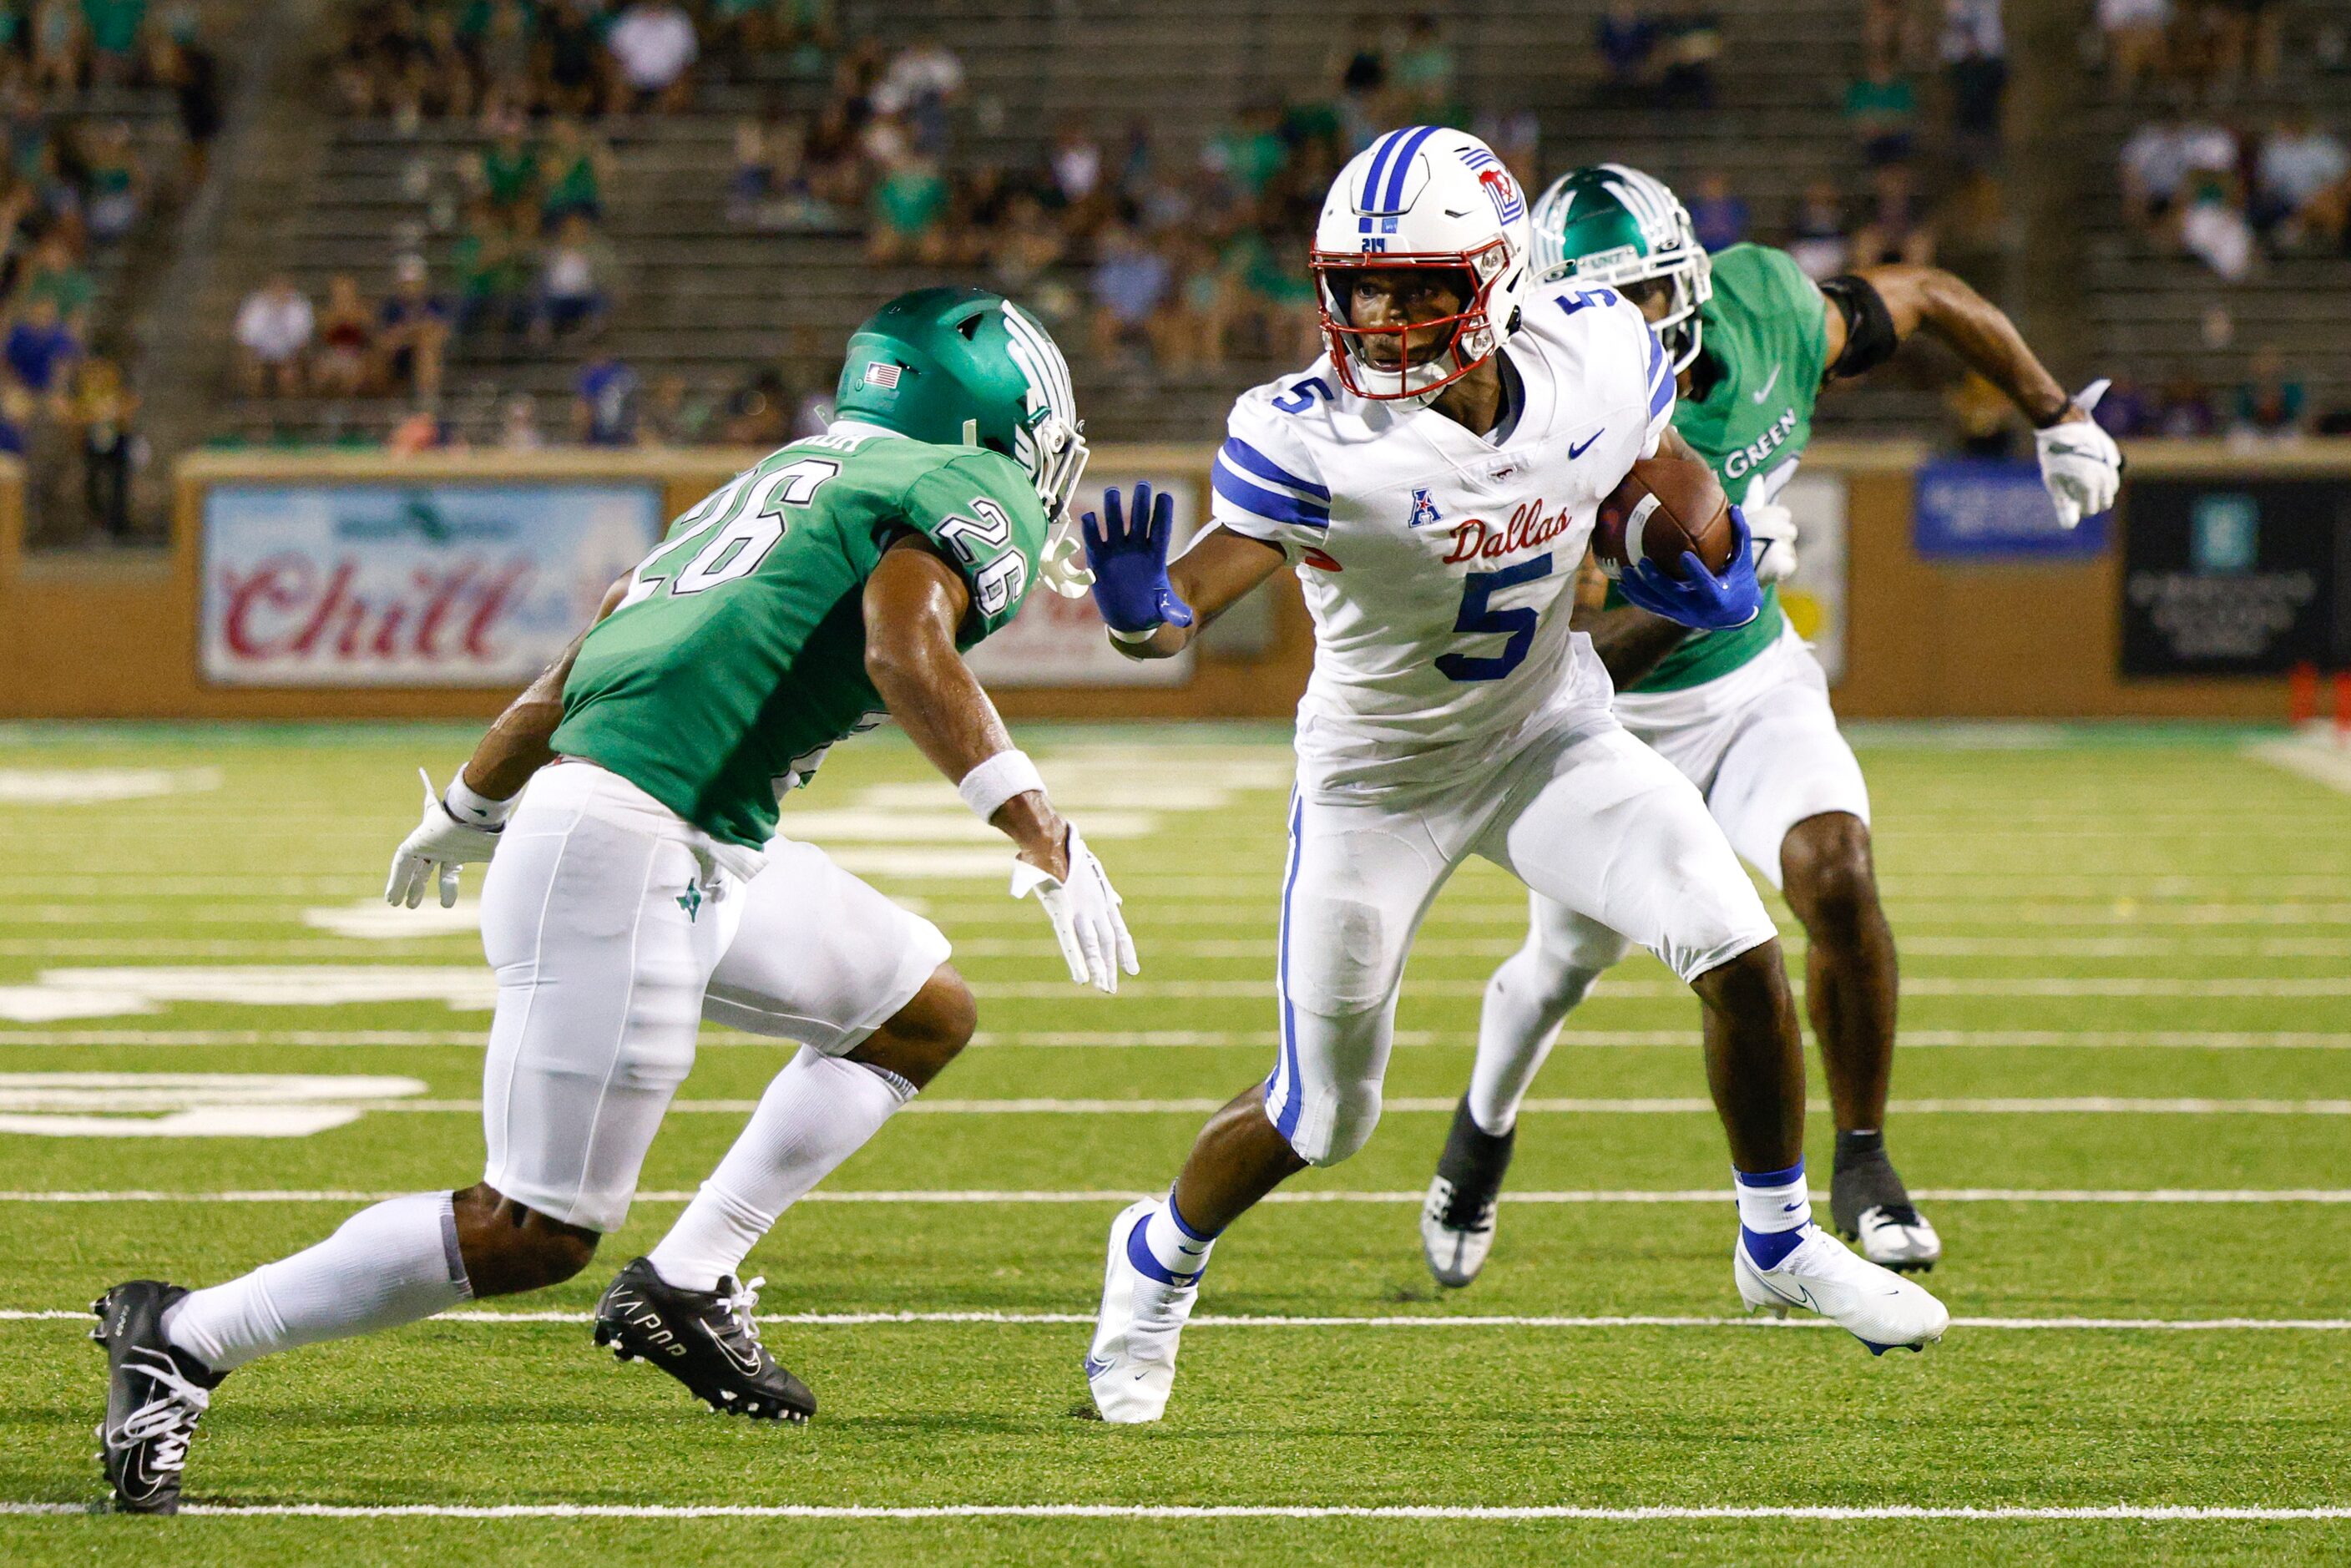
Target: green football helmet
pixel 1609 225
pixel 963 367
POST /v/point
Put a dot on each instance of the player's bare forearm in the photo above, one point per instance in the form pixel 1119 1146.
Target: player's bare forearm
pixel 1929 300
pixel 914 603
pixel 516 745
pixel 1630 641
pixel 1220 569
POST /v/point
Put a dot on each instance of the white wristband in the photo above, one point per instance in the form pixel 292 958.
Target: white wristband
pixel 1144 636
pixel 1007 773
pixel 472 808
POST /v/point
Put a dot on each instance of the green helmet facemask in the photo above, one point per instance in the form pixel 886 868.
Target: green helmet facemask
pixel 1611 225
pixel 963 367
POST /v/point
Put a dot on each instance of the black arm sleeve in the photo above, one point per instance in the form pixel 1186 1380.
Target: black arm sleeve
pixel 1869 336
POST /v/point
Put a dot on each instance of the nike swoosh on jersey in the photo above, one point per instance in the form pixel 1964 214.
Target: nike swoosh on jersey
pixel 1770 382
pixel 1584 446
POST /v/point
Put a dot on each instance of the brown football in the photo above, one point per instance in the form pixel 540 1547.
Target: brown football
pixel 1667 505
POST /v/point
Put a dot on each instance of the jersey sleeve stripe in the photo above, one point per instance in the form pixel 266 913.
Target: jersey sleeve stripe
pixel 1661 398
pixel 1242 455
pixel 1267 505
pixel 1656 361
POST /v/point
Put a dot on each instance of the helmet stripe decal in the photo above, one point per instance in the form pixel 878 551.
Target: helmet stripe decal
pixel 1402 164
pixel 1368 203
pixel 1041 362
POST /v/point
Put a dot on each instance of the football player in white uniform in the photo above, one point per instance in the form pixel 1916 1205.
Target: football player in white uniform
pixel 1745 713
pixel 1436 492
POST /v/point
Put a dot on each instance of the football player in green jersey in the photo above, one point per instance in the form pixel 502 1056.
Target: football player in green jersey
pixel 639 885
pixel 1745 713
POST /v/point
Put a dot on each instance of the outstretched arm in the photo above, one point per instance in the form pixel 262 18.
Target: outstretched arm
pixel 1929 300
pixel 1154 609
pixel 2080 463
pixel 914 603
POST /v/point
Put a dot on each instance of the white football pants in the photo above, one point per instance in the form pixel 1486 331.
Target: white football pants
pixel 1586 816
pixel 614 931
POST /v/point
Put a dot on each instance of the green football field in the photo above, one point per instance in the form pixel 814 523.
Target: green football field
pixel 2124 1096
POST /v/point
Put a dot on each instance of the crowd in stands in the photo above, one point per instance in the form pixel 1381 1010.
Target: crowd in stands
pixel 2197 184
pixel 75 185
pixel 2231 190
pixel 1906 165
pixel 1168 254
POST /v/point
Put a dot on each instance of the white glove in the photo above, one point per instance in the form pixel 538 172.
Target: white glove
pixel 1773 529
pixel 440 844
pixel 1085 912
pixel 2080 462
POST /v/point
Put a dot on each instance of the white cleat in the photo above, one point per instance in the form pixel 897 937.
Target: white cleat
pixel 1456 1232
pixel 1898 1237
pixel 1131 1365
pixel 1877 1306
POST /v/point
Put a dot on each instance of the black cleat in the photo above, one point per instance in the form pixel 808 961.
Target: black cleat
pixel 155 1395
pixel 705 1339
pixel 1870 1207
pixel 1456 1220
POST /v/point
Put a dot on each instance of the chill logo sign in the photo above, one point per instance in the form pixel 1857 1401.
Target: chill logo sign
pixel 368 584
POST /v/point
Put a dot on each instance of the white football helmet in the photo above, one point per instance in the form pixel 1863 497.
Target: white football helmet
pixel 1425 196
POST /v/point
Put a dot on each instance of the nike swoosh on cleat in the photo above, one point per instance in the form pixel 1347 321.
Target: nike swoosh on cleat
pixel 1095 1368
pixel 1575 451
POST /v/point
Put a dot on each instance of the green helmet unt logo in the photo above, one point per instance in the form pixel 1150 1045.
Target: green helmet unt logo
pixel 965 367
pixel 1612 225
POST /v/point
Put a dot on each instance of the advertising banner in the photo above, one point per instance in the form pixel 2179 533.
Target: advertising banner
pixel 382 584
pixel 1058 642
pixel 1974 509
pixel 2229 578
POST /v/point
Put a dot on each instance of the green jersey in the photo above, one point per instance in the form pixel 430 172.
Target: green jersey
pixel 1763 333
pixel 737 656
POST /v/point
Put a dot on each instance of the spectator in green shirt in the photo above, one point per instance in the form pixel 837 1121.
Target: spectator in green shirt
pixel 577 172
pixel 1881 109
pixel 909 209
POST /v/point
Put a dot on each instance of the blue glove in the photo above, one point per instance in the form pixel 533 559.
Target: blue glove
pixel 1130 564
pixel 1699 599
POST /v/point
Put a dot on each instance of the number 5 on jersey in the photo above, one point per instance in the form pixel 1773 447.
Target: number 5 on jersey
pixel 748 514
pixel 1479 618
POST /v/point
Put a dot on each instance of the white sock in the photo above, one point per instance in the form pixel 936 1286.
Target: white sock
pixel 818 1111
pixel 389 1264
pixel 1526 1001
pixel 1180 1251
pixel 1775 1207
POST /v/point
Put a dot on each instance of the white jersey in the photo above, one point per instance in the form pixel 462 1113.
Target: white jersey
pixel 1440 566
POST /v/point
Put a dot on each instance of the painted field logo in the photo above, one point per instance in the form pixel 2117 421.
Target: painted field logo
pixel 189 1105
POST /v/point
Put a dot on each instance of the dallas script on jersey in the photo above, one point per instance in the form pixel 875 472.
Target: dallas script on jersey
pixel 1477 540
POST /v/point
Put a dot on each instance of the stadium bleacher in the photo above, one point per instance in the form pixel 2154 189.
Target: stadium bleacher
pixel 709 303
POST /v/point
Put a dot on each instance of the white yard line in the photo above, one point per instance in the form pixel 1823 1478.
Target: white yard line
pixel 1573 1039
pixel 1083 1197
pixel 1390 1321
pixel 2167 1513
pixel 2311 758
pixel 2086 1104
pixel 2120 986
